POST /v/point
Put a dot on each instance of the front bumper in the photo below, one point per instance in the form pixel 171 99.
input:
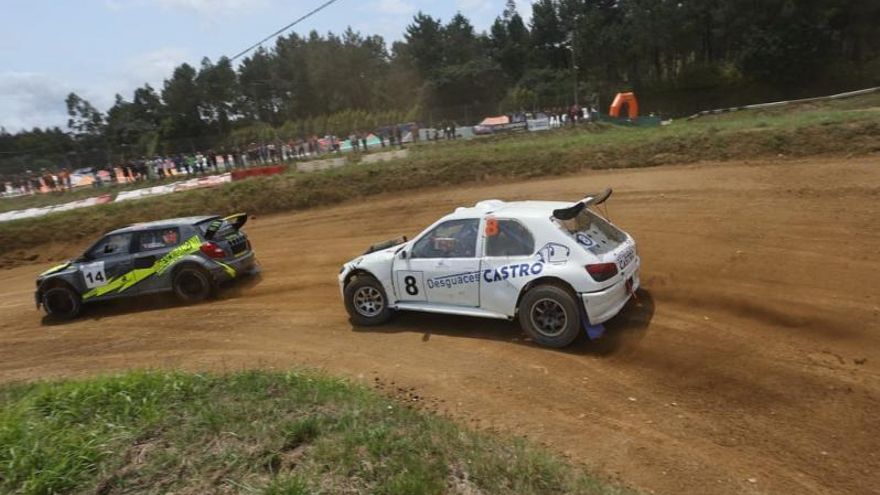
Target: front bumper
pixel 603 305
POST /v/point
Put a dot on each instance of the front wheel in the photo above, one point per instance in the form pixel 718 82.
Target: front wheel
pixel 550 316
pixel 62 303
pixel 366 302
pixel 192 285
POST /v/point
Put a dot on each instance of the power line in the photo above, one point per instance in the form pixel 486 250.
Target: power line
pixel 285 28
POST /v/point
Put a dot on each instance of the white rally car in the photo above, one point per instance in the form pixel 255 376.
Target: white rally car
pixel 558 267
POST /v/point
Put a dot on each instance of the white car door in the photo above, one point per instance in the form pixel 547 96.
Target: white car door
pixel 442 267
pixel 508 264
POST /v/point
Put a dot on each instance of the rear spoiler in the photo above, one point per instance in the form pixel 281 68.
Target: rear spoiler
pixel 237 221
pixel 590 200
pixel 386 244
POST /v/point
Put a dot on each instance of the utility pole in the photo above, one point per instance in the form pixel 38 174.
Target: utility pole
pixel 574 69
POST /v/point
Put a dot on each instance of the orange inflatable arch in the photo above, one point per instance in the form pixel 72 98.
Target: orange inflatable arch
pixel 629 99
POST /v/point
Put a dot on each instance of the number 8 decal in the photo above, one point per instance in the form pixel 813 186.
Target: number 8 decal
pixel 411 287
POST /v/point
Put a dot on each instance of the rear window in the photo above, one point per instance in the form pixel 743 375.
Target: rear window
pixel 512 239
pixel 593 232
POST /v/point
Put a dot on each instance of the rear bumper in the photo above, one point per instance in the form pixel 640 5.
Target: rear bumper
pixel 603 305
pixel 224 270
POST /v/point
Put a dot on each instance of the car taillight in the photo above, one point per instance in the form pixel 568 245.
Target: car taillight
pixel 602 271
pixel 212 250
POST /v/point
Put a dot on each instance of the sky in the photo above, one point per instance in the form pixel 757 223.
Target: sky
pixel 98 48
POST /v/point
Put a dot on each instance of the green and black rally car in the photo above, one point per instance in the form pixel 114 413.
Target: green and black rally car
pixel 189 256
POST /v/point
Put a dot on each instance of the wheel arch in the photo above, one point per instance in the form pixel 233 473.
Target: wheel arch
pixel 357 272
pixel 188 263
pixel 54 282
pixel 548 280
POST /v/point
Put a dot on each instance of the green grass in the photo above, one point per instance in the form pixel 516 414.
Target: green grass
pixel 253 432
pixel 827 130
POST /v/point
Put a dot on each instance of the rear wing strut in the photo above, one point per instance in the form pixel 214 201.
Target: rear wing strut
pixel 590 200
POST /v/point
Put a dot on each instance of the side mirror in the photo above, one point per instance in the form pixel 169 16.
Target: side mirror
pixel 403 254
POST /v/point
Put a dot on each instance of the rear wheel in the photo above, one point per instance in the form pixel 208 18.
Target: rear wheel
pixel 62 303
pixel 366 302
pixel 550 316
pixel 192 284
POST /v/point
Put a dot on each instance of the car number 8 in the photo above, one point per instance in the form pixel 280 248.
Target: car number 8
pixel 411 287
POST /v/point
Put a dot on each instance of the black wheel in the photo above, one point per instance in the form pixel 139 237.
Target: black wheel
pixel 192 284
pixel 366 302
pixel 550 316
pixel 62 303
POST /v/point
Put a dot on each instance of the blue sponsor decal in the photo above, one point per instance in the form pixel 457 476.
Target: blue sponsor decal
pixel 553 252
pixel 518 270
pixel 584 240
pixel 450 281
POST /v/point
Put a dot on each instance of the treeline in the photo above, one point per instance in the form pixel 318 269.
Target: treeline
pixel 679 57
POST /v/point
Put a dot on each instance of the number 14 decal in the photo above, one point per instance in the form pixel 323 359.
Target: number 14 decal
pixel 94 274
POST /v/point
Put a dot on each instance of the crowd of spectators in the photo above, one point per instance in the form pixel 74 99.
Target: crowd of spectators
pixel 181 165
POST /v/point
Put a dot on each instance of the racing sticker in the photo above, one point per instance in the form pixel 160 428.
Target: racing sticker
pixel 94 275
pixel 584 240
pixel 553 252
pixel 625 258
pixel 519 270
pixel 454 280
pixel 411 286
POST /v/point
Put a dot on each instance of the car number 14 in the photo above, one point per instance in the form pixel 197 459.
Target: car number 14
pixel 94 275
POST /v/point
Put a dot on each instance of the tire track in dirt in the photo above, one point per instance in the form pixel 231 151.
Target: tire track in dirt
pixel 752 353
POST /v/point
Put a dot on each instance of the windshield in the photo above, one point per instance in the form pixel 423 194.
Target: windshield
pixel 593 232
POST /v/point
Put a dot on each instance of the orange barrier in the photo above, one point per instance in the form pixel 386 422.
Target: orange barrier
pixel 259 171
pixel 632 105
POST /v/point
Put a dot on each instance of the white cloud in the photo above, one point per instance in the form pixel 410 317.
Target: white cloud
pixel 394 7
pixel 29 99
pixel 32 99
pixel 154 67
pixel 210 9
pixel 468 7
pixel 214 8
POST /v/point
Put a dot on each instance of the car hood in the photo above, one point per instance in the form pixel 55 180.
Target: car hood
pixel 55 269
pixel 378 257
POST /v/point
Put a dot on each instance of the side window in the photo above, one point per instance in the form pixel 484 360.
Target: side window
pixel 452 239
pixel 111 245
pixel 157 239
pixel 511 239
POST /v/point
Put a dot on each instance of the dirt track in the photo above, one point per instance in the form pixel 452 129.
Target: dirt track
pixel 750 365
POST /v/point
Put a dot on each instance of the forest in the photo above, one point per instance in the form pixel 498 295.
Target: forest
pixel 678 56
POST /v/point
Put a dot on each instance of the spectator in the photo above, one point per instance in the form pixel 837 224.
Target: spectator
pixel 48 180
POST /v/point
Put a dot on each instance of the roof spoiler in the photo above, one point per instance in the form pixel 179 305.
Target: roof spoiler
pixel 237 221
pixel 590 200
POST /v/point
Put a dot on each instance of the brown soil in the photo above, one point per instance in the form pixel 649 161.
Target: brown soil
pixel 750 364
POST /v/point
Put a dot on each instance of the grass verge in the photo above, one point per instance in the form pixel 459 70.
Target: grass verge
pixel 837 131
pixel 253 432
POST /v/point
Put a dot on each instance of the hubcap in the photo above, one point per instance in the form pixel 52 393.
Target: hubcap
pixel 549 317
pixel 368 302
pixel 191 284
pixel 60 303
